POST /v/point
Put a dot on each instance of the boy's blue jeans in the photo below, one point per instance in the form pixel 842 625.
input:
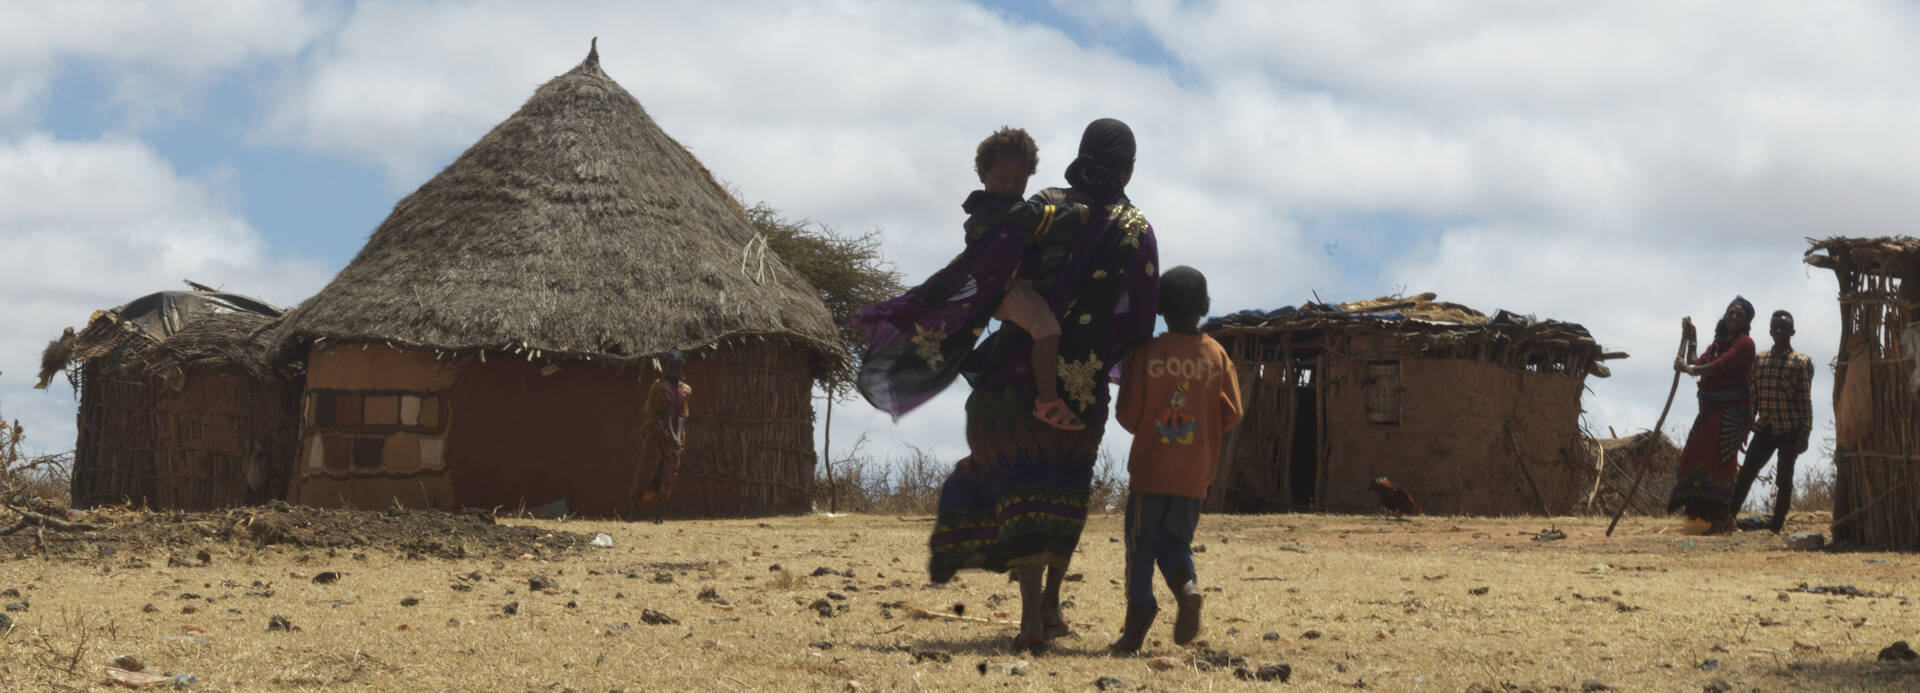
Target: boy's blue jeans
pixel 1159 530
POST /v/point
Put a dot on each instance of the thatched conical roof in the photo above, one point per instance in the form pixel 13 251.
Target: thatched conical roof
pixel 576 228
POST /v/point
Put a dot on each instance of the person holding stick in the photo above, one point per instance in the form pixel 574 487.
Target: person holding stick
pixel 1783 395
pixel 1705 483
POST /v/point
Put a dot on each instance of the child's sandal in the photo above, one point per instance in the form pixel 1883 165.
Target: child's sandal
pixel 1056 414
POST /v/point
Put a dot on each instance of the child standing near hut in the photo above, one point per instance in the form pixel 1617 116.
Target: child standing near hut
pixel 1178 396
pixel 663 437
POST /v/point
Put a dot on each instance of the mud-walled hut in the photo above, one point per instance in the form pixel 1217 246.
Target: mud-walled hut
pixel 180 404
pixel 1876 391
pixel 493 342
pixel 1469 414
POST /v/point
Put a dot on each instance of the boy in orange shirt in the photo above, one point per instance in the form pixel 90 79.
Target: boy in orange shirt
pixel 1178 397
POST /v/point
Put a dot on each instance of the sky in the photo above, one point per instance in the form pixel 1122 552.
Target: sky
pixel 1618 165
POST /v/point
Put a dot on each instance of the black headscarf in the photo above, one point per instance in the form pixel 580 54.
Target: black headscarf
pixel 1105 162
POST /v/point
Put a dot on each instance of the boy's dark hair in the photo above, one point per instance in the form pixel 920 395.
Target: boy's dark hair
pixel 1183 292
pixel 673 356
pixel 1006 141
pixel 1783 316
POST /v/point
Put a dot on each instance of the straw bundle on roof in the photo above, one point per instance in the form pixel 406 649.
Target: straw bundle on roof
pixel 577 229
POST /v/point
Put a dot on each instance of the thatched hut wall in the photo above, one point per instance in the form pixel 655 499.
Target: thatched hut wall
pixel 1472 415
pixel 382 425
pixel 1876 393
pixel 180 443
pixel 1470 438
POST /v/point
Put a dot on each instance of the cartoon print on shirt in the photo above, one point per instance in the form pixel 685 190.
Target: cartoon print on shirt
pixel 1176 425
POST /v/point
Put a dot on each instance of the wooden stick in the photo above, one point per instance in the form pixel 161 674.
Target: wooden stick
pixel 1627 501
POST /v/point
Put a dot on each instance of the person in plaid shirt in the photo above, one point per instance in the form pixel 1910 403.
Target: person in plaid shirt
pixel 1783 398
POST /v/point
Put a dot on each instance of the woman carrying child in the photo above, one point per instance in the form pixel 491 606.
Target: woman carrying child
pixel 1018 501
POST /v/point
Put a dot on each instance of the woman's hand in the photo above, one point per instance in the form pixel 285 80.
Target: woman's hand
pixel 1680 366
pixel 1686 330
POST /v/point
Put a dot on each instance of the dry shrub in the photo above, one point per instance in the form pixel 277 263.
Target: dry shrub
pixel 1814 490
pixel 36 482
pixel 909 483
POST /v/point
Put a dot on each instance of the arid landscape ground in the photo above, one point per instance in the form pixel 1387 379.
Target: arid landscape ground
pixel 411 600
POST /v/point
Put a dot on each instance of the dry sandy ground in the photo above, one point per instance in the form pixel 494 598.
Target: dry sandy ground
pixel 1350 602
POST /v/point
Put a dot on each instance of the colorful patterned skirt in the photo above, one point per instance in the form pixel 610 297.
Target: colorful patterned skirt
pixel 1021 494
pixel 1710 463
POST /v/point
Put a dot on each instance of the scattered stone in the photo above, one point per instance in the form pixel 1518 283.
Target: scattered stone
pixel 204 557
pixel 540 583
pixel 1208 660
pixel 279 623
pixel 603 540
pixel 1479 688
pixel 836 596
pixel 1594 686
pixel 1199 548
pixel 149 608
pixel 1898 652
pixel 709 594
pixel 1012 668
pixel 461 587
pixel 10 593
pixel 1838 590
pixel 1162 663
pixel 959 609
pixel 511 609
pixel 1271 636
pixel 775 568
pixel 1806 541
pixel 410 601
pixel 1717 686
pixel 6 624
pixel 658 578
pixel 820 645
pixel 1311 635
pixel 655 618
pixel 1109 683
pixel 823 570
pixel 931 656
pixel 1479 591
pixel 19 606
pixel 1710 665
pixel 326 578
pixel 1271 672
pixel 104 551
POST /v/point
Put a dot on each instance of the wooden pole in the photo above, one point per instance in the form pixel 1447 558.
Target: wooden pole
pixel 1627 501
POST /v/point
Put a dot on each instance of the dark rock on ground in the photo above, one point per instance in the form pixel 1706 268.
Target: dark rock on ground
pixel 1271 672
pixel 410 601
pixel 512 608
pixel 1109 683
pixel 540 583
pixel 278 622
pixel 1898 652
pixel 655 618
pixel 326 578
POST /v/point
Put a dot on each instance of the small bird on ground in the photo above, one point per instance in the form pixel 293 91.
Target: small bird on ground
pixel 1393 497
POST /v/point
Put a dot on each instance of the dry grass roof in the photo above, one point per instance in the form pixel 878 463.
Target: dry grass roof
pixel 1427 324
pixel 169 333
pixel 575 229
pixel 1893 255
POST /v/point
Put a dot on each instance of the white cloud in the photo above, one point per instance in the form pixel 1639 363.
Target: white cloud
pixel 1616 164
pixel 92 224
pixel 153 51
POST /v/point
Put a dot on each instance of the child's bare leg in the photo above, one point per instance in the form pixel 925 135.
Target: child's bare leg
pixel 1046 369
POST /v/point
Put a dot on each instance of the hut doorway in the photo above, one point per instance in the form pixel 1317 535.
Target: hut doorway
pixel 1303 454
